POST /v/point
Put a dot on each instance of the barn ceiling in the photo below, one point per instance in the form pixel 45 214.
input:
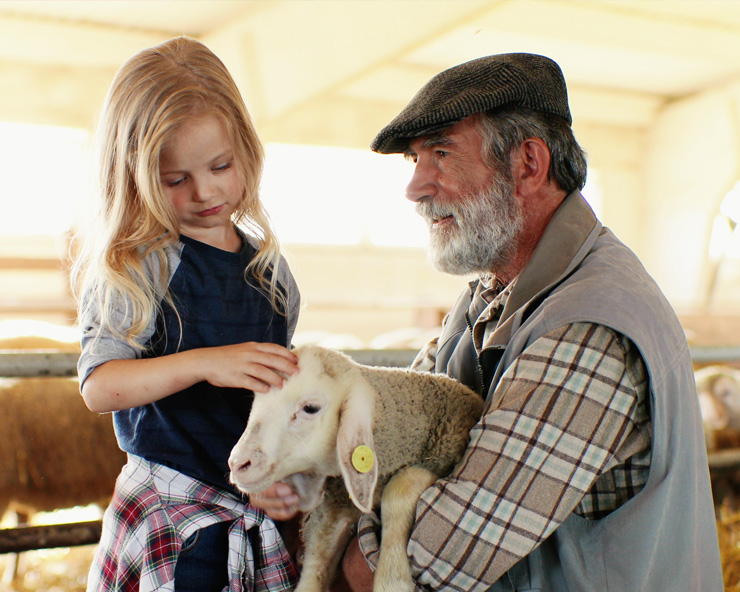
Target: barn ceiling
pixel 335 70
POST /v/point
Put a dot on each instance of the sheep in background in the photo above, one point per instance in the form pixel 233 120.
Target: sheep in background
pixel 29 334
pixel 341 434
pixel 718 388
pixel 54 453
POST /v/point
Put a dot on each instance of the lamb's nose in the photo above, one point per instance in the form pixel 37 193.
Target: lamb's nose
pixel 235 465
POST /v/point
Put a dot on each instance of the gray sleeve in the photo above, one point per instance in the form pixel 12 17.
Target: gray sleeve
pixel 100 344
pixel 287 281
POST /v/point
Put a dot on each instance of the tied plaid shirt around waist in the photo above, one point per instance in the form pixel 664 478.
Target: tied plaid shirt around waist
pixel 155 509
pixel 570 433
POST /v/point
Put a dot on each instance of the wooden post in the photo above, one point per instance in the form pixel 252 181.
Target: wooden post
pixel 27 538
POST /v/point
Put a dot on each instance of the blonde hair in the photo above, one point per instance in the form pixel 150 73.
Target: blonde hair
pixel 153 93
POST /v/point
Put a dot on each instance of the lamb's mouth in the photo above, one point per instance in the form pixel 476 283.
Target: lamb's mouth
pixel 251 484
pixel 248 486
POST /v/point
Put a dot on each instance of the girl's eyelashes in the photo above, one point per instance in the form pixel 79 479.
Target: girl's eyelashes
pixel 174 183
pixel 223 167
pixel 171 183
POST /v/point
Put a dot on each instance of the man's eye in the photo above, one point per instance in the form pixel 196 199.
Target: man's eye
pixel 441 153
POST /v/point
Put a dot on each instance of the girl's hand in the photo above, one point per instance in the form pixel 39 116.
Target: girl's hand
pixel 254 366
pixel 123 384
pixel 278 501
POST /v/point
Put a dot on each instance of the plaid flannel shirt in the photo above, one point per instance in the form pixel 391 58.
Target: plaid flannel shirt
pixel 155 509
pixel 569 433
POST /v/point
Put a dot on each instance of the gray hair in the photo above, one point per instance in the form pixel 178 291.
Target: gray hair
pixel 505 129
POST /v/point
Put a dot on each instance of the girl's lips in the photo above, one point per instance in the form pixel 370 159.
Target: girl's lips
pixel 211 211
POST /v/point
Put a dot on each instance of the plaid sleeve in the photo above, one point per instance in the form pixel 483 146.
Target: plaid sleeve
pixel 560 414
pixel 426 359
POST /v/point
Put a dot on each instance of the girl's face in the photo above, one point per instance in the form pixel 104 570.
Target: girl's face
pixel 199 176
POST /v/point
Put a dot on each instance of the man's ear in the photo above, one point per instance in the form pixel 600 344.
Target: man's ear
pixel 530 166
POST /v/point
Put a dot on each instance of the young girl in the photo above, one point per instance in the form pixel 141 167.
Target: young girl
pixel 183 315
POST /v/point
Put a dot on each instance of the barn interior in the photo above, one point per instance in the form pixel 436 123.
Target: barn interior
pixel 654 90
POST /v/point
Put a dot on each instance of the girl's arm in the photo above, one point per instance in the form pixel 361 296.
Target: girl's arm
pixel 123 384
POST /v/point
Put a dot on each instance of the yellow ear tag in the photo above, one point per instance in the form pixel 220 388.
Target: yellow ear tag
pixel 363 459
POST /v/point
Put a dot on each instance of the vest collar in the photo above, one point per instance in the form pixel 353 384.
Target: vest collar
pixel 569 236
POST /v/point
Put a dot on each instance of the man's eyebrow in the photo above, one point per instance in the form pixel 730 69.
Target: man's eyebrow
pixel 438 139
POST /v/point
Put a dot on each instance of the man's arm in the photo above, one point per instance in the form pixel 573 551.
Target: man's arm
pixel 572 407
pixel 562 413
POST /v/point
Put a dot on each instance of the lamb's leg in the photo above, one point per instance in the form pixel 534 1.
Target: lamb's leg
pixel 397 511
pixel 326 532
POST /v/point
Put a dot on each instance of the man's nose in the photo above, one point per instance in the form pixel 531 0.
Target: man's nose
pixel 422 183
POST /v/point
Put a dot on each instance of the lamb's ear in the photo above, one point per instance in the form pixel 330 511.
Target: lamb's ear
pixel 355 445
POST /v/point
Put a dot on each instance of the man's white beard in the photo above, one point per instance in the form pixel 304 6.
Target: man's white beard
pixel 482 237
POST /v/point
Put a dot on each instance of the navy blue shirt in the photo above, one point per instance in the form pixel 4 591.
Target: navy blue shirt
pixel 193 431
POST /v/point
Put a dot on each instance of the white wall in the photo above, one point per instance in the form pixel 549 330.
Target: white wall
pixel 692 160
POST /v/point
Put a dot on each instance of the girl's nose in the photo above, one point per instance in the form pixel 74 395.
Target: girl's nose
pixel 203 190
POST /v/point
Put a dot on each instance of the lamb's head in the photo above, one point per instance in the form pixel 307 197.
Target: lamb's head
pixel 308 430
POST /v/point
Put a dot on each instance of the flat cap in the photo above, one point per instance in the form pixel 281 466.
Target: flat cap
pixel 511 79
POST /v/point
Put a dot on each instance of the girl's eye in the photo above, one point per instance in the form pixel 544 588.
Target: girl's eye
pixel 223 167
pixel 174 183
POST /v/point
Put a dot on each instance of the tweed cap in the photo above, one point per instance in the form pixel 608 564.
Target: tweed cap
pixel 512 79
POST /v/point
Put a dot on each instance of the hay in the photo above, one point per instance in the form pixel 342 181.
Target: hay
pixel 728 530
pixel 52 570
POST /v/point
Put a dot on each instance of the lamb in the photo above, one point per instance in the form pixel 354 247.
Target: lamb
pixel 344 435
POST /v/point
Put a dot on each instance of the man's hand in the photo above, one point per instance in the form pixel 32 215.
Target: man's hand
pixel 354 573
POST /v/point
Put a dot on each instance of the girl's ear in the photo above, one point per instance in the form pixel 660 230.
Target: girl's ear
pixel 355 444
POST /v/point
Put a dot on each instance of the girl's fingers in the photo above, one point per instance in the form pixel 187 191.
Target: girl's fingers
pixel 278 501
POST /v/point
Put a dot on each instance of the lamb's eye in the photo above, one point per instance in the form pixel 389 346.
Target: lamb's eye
pixel 311 409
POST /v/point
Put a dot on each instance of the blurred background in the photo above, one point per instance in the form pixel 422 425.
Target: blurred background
pixel 655 95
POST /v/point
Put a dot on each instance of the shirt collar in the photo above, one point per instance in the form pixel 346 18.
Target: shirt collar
pixel 567 239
